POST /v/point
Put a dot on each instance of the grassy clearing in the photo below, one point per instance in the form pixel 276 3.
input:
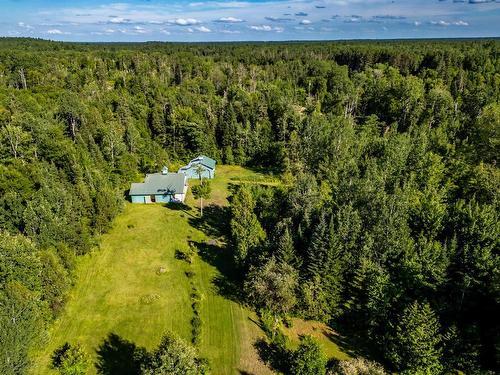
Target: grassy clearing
pixel 119 289
pixel 330 341
pixel 227 175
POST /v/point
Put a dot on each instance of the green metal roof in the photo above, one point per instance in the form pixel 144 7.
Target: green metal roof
pixel 158 183
pixel 203 160
pixel 207 162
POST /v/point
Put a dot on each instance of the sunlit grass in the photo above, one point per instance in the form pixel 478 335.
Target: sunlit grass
pixel 118 288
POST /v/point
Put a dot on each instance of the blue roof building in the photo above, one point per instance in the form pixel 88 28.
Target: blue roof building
pixel 200 167
pixel 161 187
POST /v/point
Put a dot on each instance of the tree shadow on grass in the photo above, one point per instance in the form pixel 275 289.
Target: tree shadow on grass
pixel 352 342
pixel 117 356
pixel 227 282
pixel 214 222
pixel 274 356
pixel 178 206
pixel 345 345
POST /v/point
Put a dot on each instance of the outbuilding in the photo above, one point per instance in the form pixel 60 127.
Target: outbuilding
pixel 161 187
pixel 200 167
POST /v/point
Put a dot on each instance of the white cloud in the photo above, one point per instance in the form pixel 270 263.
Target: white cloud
pixel 25 26
pixel 119 20
pixel 277 29
pixel 221 4
pixel 165 31
pixel 229 20
pixel 305 22
pixel 55 32
pixel 261 27
pixel 185 21
pixel 203 29
pixel 449 23
pixel 278 19
pixel 140 30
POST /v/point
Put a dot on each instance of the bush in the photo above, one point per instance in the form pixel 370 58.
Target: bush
pixel 357 366
pixel 196 330
pixel 181 255
pixel 308 359
pixel 195 296
pixel 148 299
pixel 70 360
pixel 174 357
pixel 196 307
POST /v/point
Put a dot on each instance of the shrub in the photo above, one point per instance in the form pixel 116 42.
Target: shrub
pixel 195 296
pixel 357 366
pixel 308 359
pixel 181 255
pixel 174 357
pixel 71 360
pixel 196 307
pixel 148 299
pixel 196 329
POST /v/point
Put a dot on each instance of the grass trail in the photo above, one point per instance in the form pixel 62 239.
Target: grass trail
pixel 118 289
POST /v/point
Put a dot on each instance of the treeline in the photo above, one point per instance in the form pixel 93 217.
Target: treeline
pixel 388 216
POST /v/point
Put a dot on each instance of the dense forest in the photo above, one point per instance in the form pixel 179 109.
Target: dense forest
pixel 386 224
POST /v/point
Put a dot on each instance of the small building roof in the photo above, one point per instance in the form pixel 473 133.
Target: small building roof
pixel 207 162
pixel 158 183
pixel 203 160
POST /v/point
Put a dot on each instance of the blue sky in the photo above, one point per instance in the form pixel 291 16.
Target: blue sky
pixel 226 20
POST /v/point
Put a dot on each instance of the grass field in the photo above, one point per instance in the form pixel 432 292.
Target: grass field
pixel 120 291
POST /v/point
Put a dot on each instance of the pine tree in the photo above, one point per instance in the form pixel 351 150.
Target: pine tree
pixel 308 358
pixel 246 231
pixel 416 341
pixel 285 247
pixel 324 264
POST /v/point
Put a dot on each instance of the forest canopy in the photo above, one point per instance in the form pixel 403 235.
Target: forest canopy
pixel 386 223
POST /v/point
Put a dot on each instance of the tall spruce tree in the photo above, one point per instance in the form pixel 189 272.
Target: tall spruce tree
pixel 416 341
pixel 246 231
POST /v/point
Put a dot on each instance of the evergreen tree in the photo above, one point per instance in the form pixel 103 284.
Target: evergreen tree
pixel 246 230
pixel 173 357
pixel 308 359
pixel 273 287
pixel 71 360
pixel 416 341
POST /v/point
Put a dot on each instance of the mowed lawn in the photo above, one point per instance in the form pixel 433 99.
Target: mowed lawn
pixel 118 289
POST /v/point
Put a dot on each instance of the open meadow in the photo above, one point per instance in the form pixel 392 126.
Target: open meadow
pixel 132 289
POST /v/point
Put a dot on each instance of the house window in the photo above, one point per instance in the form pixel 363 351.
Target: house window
pixel 153 198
